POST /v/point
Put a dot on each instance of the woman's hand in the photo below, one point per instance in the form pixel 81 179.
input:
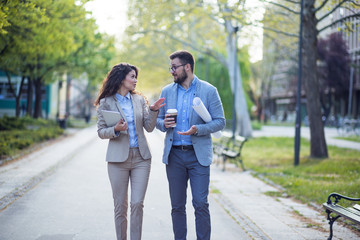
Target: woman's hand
pixel 157 105
pixel 121 126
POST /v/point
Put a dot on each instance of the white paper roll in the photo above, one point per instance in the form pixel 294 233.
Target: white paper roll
pixel 201 110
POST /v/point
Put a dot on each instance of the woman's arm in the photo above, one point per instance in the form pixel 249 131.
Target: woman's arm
pixel 105 132
pixel 150 114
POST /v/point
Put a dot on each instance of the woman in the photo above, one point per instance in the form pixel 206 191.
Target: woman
pixel 128 154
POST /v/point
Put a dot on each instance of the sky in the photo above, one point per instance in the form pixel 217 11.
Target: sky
pixel 111 17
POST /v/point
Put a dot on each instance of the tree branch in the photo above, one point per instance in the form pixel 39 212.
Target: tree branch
pixel 205 51
pixel 339 20
pixel 281 6
pixel 334 9
pixel 290 1
pixel 280 32
pixel 350 10
pixel 321 6
pixel 355 3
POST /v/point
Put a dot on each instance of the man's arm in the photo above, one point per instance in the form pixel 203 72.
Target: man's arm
pixel 216 111
pixel 161 116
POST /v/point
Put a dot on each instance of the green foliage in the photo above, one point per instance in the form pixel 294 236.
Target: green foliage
pixel 314 179
pixel 256 125
pixel 9 123
pixel 215 73
pixel 42 40
pixel 158 28
pixel 20 133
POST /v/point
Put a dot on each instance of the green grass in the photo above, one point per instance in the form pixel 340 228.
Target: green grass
pixel 314 179
pixel 353 138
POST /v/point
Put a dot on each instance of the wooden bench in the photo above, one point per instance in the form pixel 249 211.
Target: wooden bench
pixel 351 213
pixel 229 149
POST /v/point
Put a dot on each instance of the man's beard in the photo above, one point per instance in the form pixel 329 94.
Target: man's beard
pixel 181 78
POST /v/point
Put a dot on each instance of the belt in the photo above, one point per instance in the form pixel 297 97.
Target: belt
pixel 184 147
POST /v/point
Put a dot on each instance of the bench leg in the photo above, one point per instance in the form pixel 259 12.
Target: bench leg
pixel 331 222
pixel 224 161
pixel 242 164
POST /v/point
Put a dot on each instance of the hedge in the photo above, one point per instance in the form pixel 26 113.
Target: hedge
pixel 17 134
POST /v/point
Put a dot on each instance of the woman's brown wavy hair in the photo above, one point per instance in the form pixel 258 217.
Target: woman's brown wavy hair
pixel 111 84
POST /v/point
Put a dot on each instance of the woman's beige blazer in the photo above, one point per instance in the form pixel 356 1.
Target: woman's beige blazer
pixel 118 147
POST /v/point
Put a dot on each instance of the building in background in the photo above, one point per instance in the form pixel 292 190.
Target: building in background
pixel 60 99
pixel 280 76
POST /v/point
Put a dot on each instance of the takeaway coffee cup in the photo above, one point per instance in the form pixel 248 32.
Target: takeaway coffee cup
pixel 172 114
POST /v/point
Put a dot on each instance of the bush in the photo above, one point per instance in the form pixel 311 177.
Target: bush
pixel 20 133
pixel 10 123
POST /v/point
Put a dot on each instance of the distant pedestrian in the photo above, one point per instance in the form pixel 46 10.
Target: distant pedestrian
pixel 188 145
pixel 128 154
pixel 23 109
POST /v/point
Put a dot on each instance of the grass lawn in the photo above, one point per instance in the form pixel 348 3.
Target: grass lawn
pixel 314 179
pixel 353 138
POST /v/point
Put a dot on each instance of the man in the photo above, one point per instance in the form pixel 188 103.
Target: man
pixel 188 145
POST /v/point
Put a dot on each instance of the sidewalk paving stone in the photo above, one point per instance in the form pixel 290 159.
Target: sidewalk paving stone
pixel 234 194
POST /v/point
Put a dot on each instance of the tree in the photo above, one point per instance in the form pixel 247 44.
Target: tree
pixel 217 74
pixel 279 58
pixel 335 70
pixel 61 39
pixel 314 14
pixel 186 24
pixel 19 20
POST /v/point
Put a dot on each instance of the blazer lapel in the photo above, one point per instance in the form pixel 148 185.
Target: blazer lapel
pixel 135 109
pixel 196 94
pixel 172 98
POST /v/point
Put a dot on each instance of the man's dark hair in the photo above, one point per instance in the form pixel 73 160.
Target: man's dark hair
pixel 185 57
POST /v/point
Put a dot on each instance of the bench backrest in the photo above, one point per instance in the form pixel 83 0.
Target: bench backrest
pixel 236 145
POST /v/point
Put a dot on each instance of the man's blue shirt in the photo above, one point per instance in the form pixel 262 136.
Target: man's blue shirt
pixel 184 105
pixel 127 107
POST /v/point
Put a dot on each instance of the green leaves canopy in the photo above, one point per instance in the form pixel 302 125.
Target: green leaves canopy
pixel 40 37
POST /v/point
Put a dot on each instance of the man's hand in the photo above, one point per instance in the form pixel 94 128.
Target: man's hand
pixel 169 121
pixel 191 131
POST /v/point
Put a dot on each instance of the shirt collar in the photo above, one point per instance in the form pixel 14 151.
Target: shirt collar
pixel 193 83
pixel 121 98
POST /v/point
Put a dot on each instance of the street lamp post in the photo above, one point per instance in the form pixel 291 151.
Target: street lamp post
pixel 235 85
pixel 298 95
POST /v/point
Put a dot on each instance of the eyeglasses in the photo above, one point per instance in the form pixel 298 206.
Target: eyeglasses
pixel 173 68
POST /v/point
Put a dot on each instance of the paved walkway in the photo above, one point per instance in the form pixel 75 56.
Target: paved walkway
pixel 239 194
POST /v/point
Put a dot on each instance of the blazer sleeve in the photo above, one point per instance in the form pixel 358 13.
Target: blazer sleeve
pixel 161 116
pixel 149 117
pixel 216 111
pixel 105 132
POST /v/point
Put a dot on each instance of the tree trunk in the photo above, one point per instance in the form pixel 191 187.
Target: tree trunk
pixel 18 97
pixel 29 100
pixel 318 148
pixel 38 98
pixel 243 123
pixel 16 93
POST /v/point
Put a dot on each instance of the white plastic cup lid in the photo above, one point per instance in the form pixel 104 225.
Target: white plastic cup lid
pixel 171 110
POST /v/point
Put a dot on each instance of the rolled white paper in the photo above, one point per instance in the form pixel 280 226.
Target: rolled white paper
pixel 201 110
